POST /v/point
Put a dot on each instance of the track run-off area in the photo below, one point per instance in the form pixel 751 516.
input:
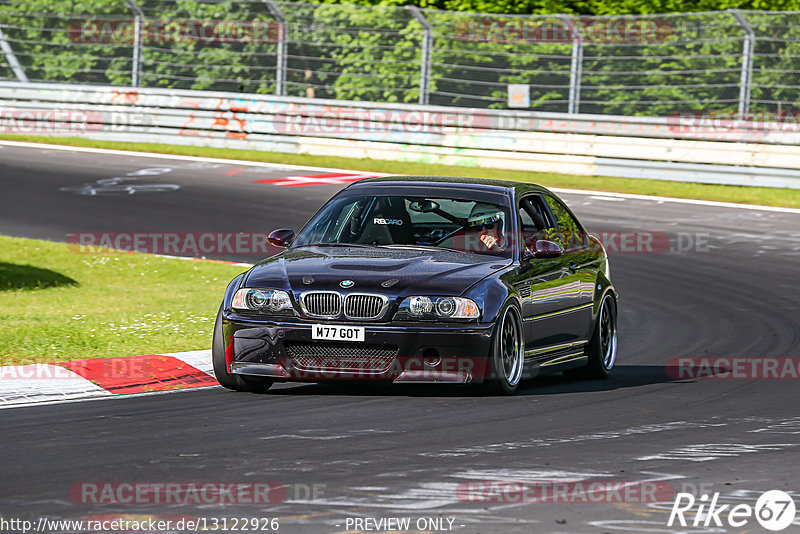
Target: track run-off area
pixel 698 281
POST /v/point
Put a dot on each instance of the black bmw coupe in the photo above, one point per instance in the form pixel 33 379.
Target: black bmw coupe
pixel 423 279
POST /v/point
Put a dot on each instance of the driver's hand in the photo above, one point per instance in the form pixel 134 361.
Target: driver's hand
pixel 489 241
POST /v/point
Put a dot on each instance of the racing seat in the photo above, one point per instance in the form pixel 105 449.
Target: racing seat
pixel 388 224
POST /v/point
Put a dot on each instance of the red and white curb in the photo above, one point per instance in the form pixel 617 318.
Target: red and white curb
pixel 328 178
pixel 46 383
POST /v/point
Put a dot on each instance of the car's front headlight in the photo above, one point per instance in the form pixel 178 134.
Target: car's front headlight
pixel 267 300
pixel 421 307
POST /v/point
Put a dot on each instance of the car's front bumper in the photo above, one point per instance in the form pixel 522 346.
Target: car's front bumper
pixel 407 352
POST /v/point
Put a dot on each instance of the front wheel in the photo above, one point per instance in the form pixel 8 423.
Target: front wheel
pixel 221 370
pixel 507 358
pixel 601 349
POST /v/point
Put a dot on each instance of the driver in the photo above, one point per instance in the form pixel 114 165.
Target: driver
pixel 489 221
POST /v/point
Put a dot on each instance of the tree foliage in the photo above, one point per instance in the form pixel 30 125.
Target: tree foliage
pixel 372 50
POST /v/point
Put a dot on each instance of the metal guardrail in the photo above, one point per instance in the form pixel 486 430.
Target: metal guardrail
pixel 669 148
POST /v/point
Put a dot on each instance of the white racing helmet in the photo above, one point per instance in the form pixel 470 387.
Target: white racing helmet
pixel 483 214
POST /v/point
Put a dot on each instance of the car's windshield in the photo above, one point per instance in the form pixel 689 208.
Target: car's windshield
pixel 471 226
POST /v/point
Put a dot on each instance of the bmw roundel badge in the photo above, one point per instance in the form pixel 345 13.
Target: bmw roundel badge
pixel 347 283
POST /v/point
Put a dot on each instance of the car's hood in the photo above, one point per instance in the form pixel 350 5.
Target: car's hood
pixel 395 271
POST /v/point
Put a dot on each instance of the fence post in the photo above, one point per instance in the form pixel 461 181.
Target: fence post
pixel 138 18
pixel 12 59
pixel 283 36
pixel 747 63
pixel 575 66
pixel 425 62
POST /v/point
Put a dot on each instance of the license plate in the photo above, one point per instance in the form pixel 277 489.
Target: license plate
pixel 338 333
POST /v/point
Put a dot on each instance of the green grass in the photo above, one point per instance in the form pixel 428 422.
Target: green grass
pixel 58 305
pixel 750 195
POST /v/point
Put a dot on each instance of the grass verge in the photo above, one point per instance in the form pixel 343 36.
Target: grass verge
pixel 766 196
pixel 58 305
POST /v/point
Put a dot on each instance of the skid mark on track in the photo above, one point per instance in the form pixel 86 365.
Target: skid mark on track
pixel 528 475
pixel 495 448
pixel 447 496
pixel 787 426
pixel 640 526
pixel 318 435
pixel 119 184
pixel 706 452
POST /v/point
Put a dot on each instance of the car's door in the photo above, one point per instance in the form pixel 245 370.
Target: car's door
pixel 579 261
pixel 548 289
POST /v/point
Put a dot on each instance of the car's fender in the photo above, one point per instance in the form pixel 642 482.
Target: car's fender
pixel 491 294
pixel 602 286
pixel 233 286
pixel 603 281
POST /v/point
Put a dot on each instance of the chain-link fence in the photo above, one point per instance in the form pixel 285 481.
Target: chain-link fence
pixel 731 62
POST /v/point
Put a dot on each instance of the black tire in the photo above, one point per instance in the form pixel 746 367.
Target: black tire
pixel 507 358
pixel 226 379
pixel 601 349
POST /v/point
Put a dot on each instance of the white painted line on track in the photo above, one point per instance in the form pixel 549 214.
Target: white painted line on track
pixel 110 396
pixel 607 199
pixel 177 157
pixel 658 199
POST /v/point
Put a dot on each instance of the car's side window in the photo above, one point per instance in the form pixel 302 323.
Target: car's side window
pixel 535 220
pixel 570 232
pixel 526 220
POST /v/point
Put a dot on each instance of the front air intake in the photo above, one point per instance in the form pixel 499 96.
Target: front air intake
pixel 326 304
pixel 365 305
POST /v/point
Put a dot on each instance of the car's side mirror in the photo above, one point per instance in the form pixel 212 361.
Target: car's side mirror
pixel 280 238
pixel 543 248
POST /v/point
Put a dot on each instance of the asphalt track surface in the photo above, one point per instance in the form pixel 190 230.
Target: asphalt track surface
pixel 403 452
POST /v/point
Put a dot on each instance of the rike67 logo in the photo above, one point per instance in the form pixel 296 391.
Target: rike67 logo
pixel 774 510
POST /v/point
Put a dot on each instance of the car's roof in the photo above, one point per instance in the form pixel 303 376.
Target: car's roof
pixel 453 181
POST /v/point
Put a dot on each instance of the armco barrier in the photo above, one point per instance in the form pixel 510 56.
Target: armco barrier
pixel 668 148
